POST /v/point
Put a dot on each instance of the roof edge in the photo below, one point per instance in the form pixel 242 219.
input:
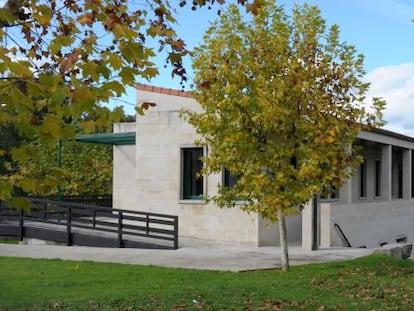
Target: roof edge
pixel 163 90
pixel 391 134
pixel 121 138
pixel 188 94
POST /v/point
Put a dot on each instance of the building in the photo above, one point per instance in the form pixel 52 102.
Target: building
pixel 157 174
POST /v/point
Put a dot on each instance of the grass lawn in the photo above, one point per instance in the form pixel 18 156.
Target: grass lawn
pixel 371 283
pixel 9 241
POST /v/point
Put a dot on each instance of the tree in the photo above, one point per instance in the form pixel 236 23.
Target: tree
pixel 9 139
pixel 282 103
pixel 62 60
pixel 86 169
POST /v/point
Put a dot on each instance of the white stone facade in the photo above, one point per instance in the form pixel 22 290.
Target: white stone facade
pixel 384 214
pixel 148 177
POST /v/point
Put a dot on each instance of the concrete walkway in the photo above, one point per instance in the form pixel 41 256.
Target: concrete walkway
pixel 192 254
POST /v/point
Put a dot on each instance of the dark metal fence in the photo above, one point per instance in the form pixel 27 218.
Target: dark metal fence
pixel 100 200
pixel 127 228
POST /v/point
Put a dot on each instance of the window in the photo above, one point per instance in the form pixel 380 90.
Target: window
pixel 229 180
pixel 412 176
pixel 378 180
pixel 397 174
pixel 330 193
pixel 402 238
pixel 363 180
pixel 192 184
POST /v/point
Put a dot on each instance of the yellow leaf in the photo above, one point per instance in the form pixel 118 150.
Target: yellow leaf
pixel 43 15
pixel 20 154
pixel 5 117
pixel 83 95
pixel 29 184
pixel 51 126
pixel 118 31
pixel 87 126
pixel 21 69
pixel 5 190
pixel 21 203
pixel 116 61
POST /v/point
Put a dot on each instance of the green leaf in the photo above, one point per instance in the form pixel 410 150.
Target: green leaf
pixel 128 75
pixel 132 52
pixel 5 190
pixel 21 154
pixel 59 42
pixel 5 117
pixel 35 89
pixel 59 96
pixel 149 73
pixel 20 69
pixel 116 87
pixel 118 31
pixel 83 95
pixel 60 172
pixel 6 17
pixel 104 71
pixel 51 125
pixel 20 97
pixel 90 69
pixel 88 126
pixel 43 14
pixel 30 185
pixel 20 203
pixel 116 61
pixel 49 80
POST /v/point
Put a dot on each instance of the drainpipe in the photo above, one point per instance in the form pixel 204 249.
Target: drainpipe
pixel 315 242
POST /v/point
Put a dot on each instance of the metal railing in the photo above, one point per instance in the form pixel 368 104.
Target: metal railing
pixel 123 224
pixel 343 236
pixel 100 200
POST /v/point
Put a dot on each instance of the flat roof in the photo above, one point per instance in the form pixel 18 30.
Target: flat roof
pixel 392 134
pixel 182 93
pixel 126 138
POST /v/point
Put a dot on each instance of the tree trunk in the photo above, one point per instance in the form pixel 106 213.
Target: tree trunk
pixel 284 255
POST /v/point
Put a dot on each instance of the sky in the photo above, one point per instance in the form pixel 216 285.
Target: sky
pixel 382 30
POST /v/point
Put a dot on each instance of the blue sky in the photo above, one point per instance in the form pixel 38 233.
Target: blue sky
pixel 382 30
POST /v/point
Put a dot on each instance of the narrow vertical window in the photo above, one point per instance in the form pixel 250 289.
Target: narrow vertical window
pixel 400 181
pixel 378 179
pixel 396 177
pixel 192 184
pixel 229 180
pixel 363 180
pixel 330 193
pixel 412 176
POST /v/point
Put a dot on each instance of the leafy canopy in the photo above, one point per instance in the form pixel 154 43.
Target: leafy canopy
pixel 62 61
pixel 86 170
pixel 283 100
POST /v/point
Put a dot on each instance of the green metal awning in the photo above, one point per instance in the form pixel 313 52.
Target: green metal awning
pixel 127 138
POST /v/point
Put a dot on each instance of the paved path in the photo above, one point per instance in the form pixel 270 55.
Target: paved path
pixel 192 254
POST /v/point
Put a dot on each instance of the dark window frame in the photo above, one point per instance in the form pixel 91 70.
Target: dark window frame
pixel 363 180
pixel 192 184
pixel 332 194
pixel 228 179
pixel 378 178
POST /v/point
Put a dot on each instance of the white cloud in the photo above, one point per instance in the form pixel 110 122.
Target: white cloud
pixel 396 85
